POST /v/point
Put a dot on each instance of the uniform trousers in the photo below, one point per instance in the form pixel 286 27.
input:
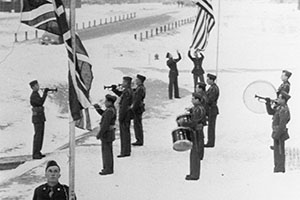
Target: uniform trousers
pixel 125 137
pixel 38 138
pixel 196 77
pixel 107 156
pixel 279 156
pixel 196 154
pixel 138 128
pixel 173 83
pixel 211 130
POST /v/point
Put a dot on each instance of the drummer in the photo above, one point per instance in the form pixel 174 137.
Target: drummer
pixel 196 123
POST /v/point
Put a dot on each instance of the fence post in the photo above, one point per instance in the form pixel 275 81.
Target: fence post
pixel 135 36
pixel 83 25
pixel 89 24
pixel 120 18
pixel 123 17
pixel 105 20
pixel 151 33
pixel 165 28
pixel 115 18
pixel 146 34
pixel 100 22
pixel 16 37
pixel 94 22
pixel 36 34
pixel 141 36
pixel 26 35
pixel 156 31
pixel 161 29
pixel 110 20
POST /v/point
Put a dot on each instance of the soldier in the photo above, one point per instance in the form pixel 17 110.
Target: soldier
pixel 107 133
pixel 124 115
pixel 138 107
pixel 285 86
pixel 38 118
pixel 201 89
pixel 197 70
pixel 196 123
pixel 213 111
pixel 173 74
pixel 281 116
pixel 52 189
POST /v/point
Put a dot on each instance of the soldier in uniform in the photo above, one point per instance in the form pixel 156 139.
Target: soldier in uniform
pixel 38 118
pixel 285 86
pixel 197 70
pixel 281 116
pixel 173 74
pixel 124 115
pixel 196 123
pixel 201 90
pixel 213 111
pixel 138 107
pixel 107 133
pixel 52 189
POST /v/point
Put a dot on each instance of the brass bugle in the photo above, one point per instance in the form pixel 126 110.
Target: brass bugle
pixel 50 90
pixel 264 98
pixel 110 86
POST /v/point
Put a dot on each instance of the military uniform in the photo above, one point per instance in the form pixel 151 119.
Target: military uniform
pixel 197 151
pixel 212 112
pixel 285 86
pixel 45 192
pixel 107 136
pixel 38 120
pixel 138 107
pixel 124 119
pixel 197 70
pixel 173 76
pixel 281 116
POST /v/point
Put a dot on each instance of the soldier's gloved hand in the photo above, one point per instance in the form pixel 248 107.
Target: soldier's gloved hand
pixel 113 87
pixel 268 100
pixel 97 106
pixel 46 90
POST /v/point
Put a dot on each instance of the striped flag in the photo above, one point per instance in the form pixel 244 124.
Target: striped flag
pixel 80 76
pixel 204 23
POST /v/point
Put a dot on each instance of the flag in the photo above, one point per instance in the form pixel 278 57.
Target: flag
pixel 39 15
pixel 204 23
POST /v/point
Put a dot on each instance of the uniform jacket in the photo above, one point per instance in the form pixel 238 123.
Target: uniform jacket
pixel 281 116
pixel 60 192
pixel 37 102
pixel 126 97
pixel 139 95
pixel 107 123
pixel 285 86
pixel 197 70
pixel 213 96
pixel 197 118
pixel 172 64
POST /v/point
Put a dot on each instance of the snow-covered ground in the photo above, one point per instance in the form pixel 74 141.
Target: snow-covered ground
pixel 257 40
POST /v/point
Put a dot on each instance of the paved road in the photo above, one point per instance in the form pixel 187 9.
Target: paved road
pixel 123 26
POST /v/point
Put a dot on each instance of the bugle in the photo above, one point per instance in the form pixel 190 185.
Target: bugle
pixel 49 89
pixel 111 86
pixel 265 98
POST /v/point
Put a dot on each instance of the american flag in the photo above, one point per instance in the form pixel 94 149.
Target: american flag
pixel 39 13
pixel 205 21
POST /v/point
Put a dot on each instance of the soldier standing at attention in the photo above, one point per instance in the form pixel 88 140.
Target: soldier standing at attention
pixel 52 189
pixel 38 118
pixel 213 111
pixel 196 123
pixel 197 70
pixel 281 116
pixel 124 115
pixel 138 107
pixel 173 74
pixel 285 86
pixel 107 133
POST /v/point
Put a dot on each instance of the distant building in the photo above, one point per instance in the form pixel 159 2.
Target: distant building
pixel 15 5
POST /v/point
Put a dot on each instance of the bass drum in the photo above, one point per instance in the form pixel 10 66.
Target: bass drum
pixel 182 138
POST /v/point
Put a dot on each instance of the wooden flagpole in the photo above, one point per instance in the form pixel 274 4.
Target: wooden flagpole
pixel 72 122
pixel 218 36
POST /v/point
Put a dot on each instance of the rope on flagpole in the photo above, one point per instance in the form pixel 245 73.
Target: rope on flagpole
pixel 218 36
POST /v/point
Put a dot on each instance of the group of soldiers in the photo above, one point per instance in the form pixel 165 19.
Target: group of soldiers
pixel 204 111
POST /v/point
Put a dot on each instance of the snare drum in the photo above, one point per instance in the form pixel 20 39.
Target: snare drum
pixel 182 138
pixel 185 118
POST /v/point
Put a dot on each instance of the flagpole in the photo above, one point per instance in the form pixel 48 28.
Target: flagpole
pixel 218 36
pixel 72 122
